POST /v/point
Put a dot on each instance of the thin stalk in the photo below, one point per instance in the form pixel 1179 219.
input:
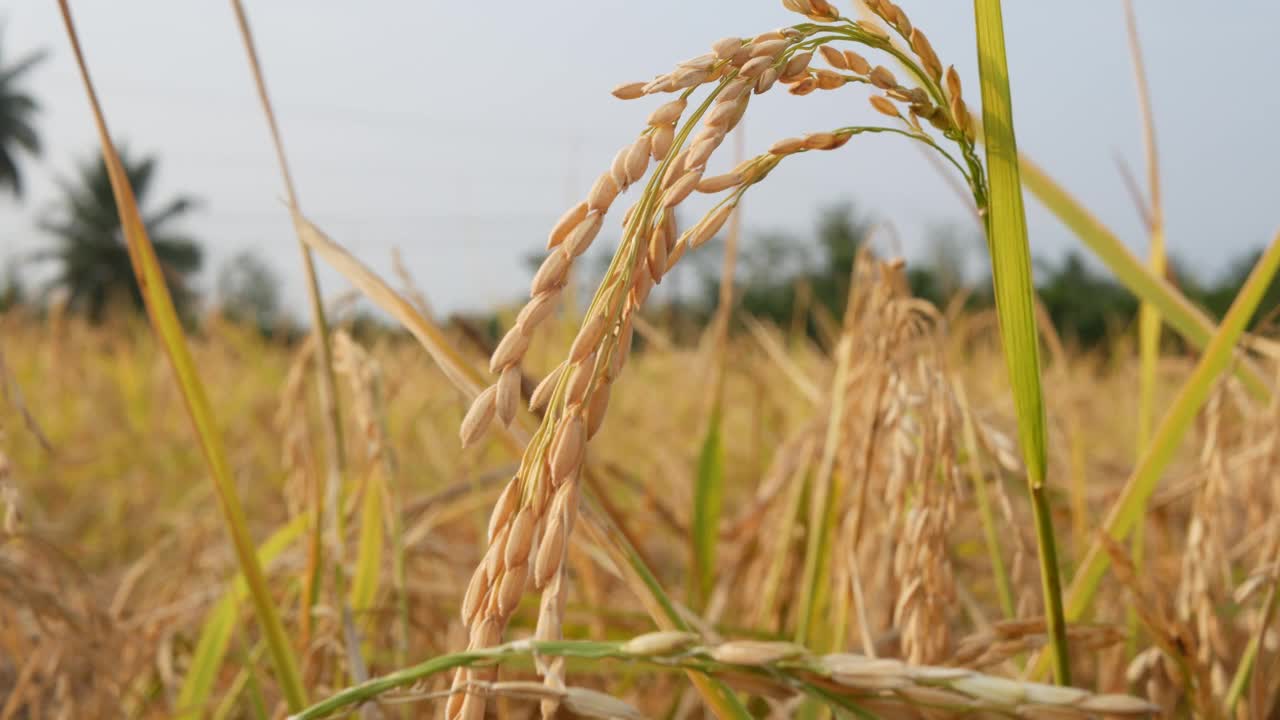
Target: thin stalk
pixel 580 649
pixel 328 388
pixel 1149 321
pixel 860 512
pixel 399 573
pixel 709 489
pixel 787 669
pixel 1011 265
pixel 1246 670
pixel 165 322
pixel 822 513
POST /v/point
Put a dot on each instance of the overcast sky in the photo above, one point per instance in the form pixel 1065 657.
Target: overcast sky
pixel 459 131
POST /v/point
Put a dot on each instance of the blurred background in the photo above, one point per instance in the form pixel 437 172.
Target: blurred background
pixel 456 133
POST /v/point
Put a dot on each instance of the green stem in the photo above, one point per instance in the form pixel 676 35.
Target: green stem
pixel 822 513
pixel 855 33
pixel 1015 302
pixel 693 660
pixel 718 696
pixel 860 129
pixel 1245 671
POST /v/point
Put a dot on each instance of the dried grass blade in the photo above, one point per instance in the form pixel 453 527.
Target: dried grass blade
pixel 164 320
pixel 1148 314
pixel 776 352
pixel 465 377
pixel 328 389
pixel 1149 321
pixel 364 585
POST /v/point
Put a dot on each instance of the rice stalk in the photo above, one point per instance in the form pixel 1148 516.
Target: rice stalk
pixel 732 68
pixel 467 380
pixel 783 535
pixel 1149 321
pixel 857 682
pixel 327 387
pixel 365 376
pixel 709 487
pixel 1015 303
pixel 720 699
pixel 824 487
pixel 164 320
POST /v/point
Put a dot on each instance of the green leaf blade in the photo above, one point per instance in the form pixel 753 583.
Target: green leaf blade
pixel 1015 303
pixel 708 499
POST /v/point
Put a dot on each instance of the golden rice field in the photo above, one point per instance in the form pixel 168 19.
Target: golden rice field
pixel 911 512
pixel 115 554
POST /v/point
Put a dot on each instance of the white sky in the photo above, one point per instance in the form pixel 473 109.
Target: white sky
pixel 459 131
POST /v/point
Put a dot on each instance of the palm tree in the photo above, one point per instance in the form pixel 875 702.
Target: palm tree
pixel 95 267
pixel 17 109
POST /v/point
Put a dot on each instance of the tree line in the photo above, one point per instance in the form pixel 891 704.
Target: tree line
pixel 1087 306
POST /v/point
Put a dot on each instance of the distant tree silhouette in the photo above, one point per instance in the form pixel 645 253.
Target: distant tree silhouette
pixel 12 290
pixel 17 110
pixel 94 266
pixel 776 264
pixel 248 292
pixel 1085 306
